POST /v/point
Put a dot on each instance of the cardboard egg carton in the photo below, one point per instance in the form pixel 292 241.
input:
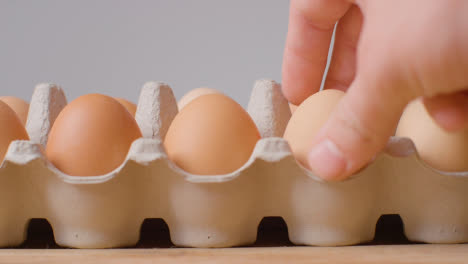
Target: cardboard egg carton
pixel 224 210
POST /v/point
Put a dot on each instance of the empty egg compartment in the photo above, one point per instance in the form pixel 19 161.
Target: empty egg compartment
pixel 222 210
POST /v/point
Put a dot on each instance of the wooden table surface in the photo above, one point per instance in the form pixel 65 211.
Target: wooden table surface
pixel 272 246
pixel 354 254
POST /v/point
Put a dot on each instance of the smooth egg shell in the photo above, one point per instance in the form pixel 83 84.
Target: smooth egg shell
pixel 131 107
pixel 188 97
pixel 440 149
pixel 11 128
pixel 211 135
pixel 306 121
pixel 18 105
pixel 91 136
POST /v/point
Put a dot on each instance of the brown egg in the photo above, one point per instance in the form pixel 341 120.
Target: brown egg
pixel 18 105
pixel 91 136
pixel 307 120
pixel 211 135
pixel 440 149
pixel 188 97
pixel 131 107
pixel 11 128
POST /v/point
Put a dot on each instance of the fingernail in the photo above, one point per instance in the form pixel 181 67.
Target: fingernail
pixel 327 161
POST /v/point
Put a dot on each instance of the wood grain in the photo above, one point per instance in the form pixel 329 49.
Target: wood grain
pixel 354 254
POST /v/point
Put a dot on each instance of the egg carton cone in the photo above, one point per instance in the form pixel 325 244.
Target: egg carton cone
pixel 221 210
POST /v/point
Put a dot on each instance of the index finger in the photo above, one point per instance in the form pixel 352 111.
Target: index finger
pixel 311 24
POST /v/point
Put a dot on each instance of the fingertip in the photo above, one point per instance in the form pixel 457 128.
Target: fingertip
pixel 297 85
pixel 301 75
pixel 450 119
pixel 450 111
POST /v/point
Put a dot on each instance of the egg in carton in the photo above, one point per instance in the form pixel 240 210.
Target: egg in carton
pixel 221 210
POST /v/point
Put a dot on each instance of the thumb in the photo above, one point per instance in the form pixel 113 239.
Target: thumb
pixel 359 127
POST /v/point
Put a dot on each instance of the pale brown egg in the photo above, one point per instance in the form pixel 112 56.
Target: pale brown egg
pixel 18 105
pixel 211 135
pixel 91 136
pixel 131 107
pixel 307 120
pixel 440 149
pixel 188 97
pixel 11 128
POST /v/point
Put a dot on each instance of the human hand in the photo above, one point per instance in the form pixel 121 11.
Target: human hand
pixel 386 54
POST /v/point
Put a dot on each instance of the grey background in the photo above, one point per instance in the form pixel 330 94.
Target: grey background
pixel 115 46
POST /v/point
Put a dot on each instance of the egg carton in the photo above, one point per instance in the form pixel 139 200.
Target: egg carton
pixel 222 210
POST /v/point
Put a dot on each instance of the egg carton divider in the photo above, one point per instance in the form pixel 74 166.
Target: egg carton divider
pixel 222 210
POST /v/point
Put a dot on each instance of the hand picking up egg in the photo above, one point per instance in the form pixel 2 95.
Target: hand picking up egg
pixel 18 105
pixel 440 149
pixel 91 136
pixel 211 135
pixel 307 120
pixel 11 128
pixel 188 97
